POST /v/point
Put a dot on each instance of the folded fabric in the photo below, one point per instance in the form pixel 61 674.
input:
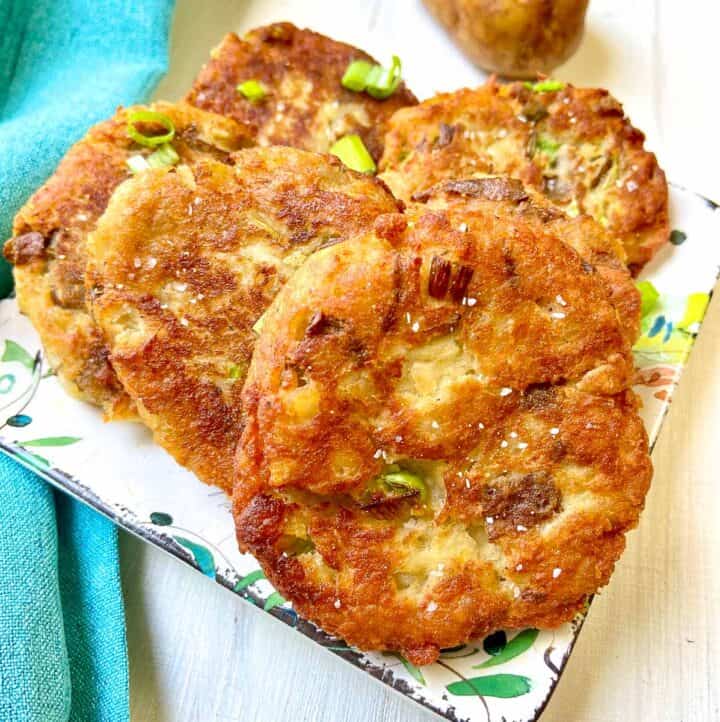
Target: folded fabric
pixel 64 64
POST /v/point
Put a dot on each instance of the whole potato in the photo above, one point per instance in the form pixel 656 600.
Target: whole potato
pixel 515 38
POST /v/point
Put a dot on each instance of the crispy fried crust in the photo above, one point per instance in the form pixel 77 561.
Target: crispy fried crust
pixel 183 263
pixel 490 363
pixel 601 251
pixel 50 231
pixel 574 145
pixel 306 105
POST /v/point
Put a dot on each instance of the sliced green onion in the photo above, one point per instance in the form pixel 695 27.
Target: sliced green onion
pixel 137 163
pixel 294 546
pixel 253 90
pixel 356 75
pixel 649 296
pixel 395 483
pixel 545 86
pixel 164 156
pixel 547 145
pixel 405 482
pixel 353 153
pixel 235 371
pixel 384 83
pixel 150 116
pixel 377 81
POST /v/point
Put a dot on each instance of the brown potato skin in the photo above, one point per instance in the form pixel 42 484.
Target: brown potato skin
pixel 601 167
pixel 338 388
pixel 49 274
pixel 511 38
pixel 306 106
pixel 184 262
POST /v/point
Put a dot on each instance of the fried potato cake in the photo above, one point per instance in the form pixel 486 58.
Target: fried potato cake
pixel 306 106
pixel 184 262
pixel 440 436
pixel 574 145
pixel 50 232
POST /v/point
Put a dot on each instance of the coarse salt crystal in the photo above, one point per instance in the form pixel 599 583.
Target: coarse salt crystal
pixel 554 431
pixel 471 302
pixel 431 607
pixel 503 444
pixel 505 391
pixel 556 572
pixel 518 568
pixel 520 527
pixel 415 327
pixel 557 314
pixel 337 603
pixel 522 445
pixel 184 321
pixel 435 424
pixel 463 227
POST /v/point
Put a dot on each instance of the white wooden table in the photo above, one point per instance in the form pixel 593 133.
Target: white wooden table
pixel 651 647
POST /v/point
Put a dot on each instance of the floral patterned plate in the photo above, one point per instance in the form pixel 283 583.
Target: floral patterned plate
pixel 115 468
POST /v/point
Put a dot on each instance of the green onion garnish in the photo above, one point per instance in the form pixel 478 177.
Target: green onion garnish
pixel 137 163
pixel 377 81
pixel 164 156
pixel 649 296
pixel 404 482
pixel 150 116
pixel 395 483
pixel 547 145
pixel 356 75
pixel 235 371
pixel 353 153
pixel 253 90
pixel 545 86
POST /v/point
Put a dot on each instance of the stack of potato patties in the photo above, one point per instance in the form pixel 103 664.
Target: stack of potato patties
pixel 416 384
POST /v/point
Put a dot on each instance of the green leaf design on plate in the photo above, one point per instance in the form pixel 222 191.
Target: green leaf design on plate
pixel 52 441
pixel 414 672
pixel 33 459
pixel 160 518
pixel 649 296
pixel 274 600
pixel 495 685
pixel 516 646
pixel 495 643
pixel 202 556
pixel 15 352
pixel 677 238
pixel 249 579
pixel 697 304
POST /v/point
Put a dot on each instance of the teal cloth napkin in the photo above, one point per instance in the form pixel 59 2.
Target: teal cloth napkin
pixel 64 64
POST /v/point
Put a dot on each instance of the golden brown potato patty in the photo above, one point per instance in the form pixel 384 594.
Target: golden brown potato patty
pixel 184 262
pixel 306 106
pixel 440 436
pixel 574 145
pixel 50 231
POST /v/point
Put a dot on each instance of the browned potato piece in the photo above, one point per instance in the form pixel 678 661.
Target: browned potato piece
pixel 515 39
